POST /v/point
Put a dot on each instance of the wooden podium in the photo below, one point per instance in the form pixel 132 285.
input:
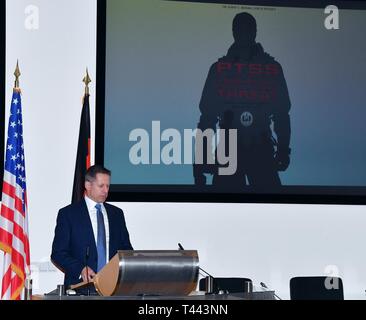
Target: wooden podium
pixel 147 272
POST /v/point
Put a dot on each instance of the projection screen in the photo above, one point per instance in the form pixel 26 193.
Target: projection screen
pixel 232 101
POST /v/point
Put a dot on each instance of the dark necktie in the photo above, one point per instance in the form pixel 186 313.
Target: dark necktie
pixel 101 238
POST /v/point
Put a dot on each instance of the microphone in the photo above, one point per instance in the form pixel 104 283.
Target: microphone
pixel 263 285
pixel 87 272
pixel 213 278
pixel 181 248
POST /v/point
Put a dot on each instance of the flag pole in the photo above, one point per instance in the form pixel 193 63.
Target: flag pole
pixel 28 281
pixel 87 80
pixel 17 75
pixel 84 145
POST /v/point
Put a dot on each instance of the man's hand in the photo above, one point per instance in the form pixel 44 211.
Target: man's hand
pixel 86 273
pixel 282 159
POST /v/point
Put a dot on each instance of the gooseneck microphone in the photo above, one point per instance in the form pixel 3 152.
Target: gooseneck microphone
pixel 263 285
pixel 87 269
pixel 204 271
pixel 181 248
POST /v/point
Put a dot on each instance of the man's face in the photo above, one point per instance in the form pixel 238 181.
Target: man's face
pixel 97 190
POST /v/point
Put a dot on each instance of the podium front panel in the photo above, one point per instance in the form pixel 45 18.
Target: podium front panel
pixel 151 272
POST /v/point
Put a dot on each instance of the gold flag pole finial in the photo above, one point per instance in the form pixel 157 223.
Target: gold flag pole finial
pixel 87 80
pixel 17 75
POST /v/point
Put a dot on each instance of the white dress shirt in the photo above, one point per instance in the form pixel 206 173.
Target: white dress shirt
pixel 93 218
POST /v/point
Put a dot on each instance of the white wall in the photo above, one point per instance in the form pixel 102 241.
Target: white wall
pixel 269 243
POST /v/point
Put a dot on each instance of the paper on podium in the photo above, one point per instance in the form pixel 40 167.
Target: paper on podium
pixel 82 284
pixel 105 280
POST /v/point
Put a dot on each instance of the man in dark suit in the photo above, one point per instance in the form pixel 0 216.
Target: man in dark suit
pixel 246 92
pixel 90 232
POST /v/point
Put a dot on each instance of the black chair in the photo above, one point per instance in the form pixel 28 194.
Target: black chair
pixel 316 288
pixel 232 285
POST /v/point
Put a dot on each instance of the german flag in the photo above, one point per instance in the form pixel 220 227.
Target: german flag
pixel 83 152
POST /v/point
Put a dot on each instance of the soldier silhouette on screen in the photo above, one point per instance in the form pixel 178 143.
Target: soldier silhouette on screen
pixel 246 90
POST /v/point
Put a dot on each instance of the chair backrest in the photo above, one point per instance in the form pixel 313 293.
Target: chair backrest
pixel 232 285
pixel 316 288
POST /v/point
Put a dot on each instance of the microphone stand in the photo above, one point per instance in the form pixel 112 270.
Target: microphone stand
pixel 87 270
pixel 212 277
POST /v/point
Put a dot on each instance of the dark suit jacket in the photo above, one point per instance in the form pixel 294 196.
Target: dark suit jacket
pixel 74 234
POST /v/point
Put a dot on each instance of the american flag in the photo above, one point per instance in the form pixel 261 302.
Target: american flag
pixel 14 239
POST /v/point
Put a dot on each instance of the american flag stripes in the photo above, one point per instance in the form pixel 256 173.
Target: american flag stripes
pixel 14 240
